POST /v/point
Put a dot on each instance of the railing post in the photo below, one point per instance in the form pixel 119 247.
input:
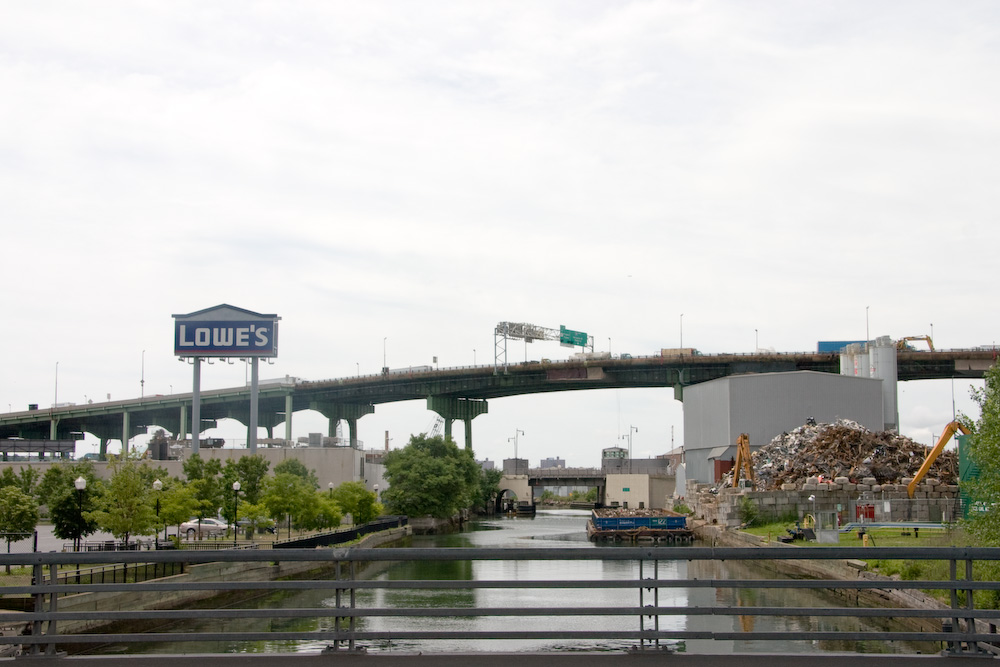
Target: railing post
pixel 642 604
pixel 970 605
pixel 351 643
pixel 38 577
pixel 50 649
pixel 953 646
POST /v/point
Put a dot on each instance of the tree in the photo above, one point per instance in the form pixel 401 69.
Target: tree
pixel 58 481
pixel 298 468
pixel 26 480
pixel 18 514
pixel 489 488
pixel 177 503
pixel 206 485
pixel 285 497
pixel 128 508
pixel 431 476
pixel 983 522
pixel 255 516
pixel 251 472
pixel 354 499
pixel 72 511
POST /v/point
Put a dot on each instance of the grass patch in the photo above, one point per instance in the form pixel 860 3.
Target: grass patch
pixel 909 570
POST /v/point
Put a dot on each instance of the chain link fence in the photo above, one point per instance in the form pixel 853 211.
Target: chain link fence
pixel 19 543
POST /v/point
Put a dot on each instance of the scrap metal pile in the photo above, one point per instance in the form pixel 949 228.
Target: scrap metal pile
pixel 845 449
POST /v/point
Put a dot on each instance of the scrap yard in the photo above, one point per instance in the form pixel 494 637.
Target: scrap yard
pixel 844 452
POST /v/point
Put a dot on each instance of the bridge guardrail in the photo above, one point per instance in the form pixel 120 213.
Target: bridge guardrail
pixel 347 622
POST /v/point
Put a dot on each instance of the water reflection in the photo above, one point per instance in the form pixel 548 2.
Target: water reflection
pixel 547 529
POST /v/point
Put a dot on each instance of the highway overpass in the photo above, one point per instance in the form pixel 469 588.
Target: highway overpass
pixel 454 393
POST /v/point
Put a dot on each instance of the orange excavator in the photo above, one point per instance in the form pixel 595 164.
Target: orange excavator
pixel 743 463
pixel 949 431
pixel 904 343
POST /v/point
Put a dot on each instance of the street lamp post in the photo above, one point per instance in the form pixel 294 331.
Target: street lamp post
pixel 516 431
pixel 385 366
pixel 375 488
pixel 142 377
pixel 236 516
pixel 157 487
pixel 81 484
pixel 631 429
pixel 329 485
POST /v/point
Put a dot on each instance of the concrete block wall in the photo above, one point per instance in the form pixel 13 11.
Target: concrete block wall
pixel 932 502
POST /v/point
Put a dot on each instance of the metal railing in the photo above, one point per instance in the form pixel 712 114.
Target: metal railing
pixel 69 613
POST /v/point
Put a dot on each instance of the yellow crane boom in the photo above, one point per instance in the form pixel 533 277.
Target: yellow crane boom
pixel 932 455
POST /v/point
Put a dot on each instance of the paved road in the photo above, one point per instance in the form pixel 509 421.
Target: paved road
pixel 49 542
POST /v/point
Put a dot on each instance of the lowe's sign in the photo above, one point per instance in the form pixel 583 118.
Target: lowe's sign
pixel 225 331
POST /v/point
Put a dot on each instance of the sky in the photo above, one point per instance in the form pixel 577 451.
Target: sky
pixel 393 179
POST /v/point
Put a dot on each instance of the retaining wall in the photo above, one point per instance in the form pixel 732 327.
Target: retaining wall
pixel 933 502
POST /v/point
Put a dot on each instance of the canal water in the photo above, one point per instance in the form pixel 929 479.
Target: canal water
pixel 549 529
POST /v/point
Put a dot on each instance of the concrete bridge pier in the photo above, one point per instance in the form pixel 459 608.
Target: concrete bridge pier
pixel 106 434
pixel 683 377
pixel 337 411
pixel 451 408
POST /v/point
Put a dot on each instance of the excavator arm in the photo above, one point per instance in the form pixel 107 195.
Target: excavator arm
pixel 903 343
pixel 743 463
pixel 949 431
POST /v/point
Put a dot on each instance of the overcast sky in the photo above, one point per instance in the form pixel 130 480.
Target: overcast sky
pixel 395 178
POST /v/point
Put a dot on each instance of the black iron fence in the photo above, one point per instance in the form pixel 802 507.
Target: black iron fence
pixel 119 573
pixel 68 613
pixel 338 537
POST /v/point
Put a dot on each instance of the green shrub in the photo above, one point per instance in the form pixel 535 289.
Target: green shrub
pixel 749 512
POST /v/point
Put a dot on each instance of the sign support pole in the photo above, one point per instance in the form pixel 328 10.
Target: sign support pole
pixel 254 391
pixel 196 408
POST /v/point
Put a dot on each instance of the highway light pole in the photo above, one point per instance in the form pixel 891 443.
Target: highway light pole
pixel 631 429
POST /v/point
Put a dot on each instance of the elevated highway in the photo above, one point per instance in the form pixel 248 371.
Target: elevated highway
pixel 454 393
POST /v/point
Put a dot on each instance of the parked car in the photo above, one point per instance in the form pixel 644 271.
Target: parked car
pixel 209 527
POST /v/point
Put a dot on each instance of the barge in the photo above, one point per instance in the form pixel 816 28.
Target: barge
pixel 620 524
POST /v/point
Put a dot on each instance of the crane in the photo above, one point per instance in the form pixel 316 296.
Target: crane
pixel 436 427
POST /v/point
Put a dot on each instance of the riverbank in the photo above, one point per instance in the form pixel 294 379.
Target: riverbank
pixel 842 570
pixel 140 601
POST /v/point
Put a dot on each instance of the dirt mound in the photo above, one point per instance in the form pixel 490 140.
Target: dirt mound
pixel 845 449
